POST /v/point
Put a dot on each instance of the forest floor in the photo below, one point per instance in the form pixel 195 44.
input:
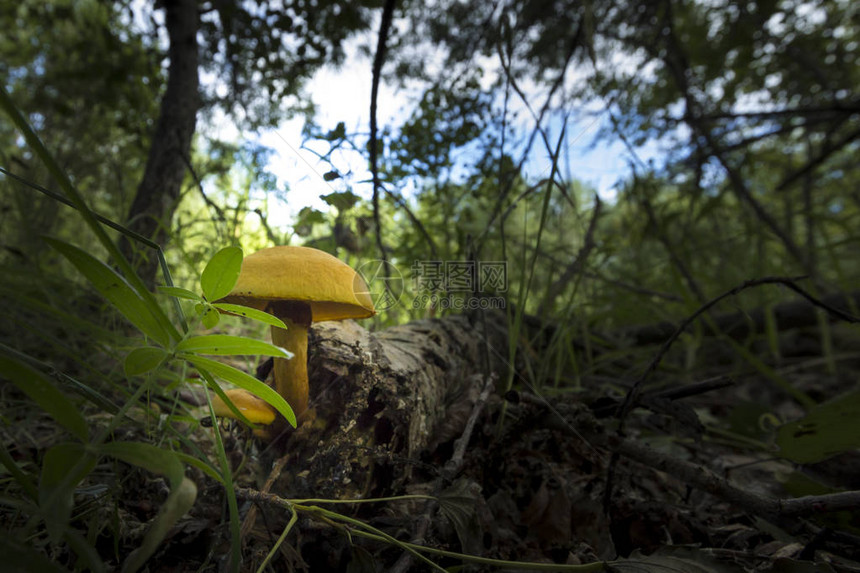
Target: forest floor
pixel 690 485
pixel 693 481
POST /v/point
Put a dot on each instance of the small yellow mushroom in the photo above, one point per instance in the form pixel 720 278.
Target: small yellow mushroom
pixel 255 409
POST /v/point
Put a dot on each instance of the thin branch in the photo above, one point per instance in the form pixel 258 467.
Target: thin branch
pixel 219 213
pixel 669 246
pixel 788 282
pixel 451 469
pixel 378 60
pixel 677 63
pixel 813 163
pixel 851 108
pixel 265 222
pixel 577 264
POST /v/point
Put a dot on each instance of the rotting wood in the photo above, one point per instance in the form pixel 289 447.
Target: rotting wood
pixel 379 398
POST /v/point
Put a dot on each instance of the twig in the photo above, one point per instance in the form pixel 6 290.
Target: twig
pixel 451 469
pixel 788 282
pixel 783 512
pixel 671 394
pixel 677 63
pixel 251 518
pixel 378 60
pixel 455 464
pixel 219 213
pixel 633 394
pixel 269 233
pixel 578 263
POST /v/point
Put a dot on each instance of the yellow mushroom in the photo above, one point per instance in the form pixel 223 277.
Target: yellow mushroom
pixel 299 285
pixel 255 409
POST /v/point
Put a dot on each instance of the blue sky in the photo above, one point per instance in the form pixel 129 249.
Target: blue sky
pixel 343 95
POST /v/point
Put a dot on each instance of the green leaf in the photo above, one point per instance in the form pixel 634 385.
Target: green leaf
pixel 151 458
pixel 177 504
pixel 675 558
pixel 179 292
pixel 220 275
pixel 306 220
pixel 142 360
pixel 208 315
pixel 23 479
pixel 828 429
pixel 458 504
pixel 228 345
pixel 19 557
pixel 183 492
pixel 201 465
pixel 44 393
pixel 252 313
pixel 115 289
pixel 342 201
pixel 87 556
pixel 63 468
pixel 243 380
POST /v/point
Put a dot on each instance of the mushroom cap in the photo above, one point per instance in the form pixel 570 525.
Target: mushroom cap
pixel 257 410
pixel 332 288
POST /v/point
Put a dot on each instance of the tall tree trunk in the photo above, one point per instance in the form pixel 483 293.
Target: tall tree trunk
pixel 158 193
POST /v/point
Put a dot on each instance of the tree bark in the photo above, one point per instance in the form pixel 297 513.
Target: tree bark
pixel 153 205
pixel 379 399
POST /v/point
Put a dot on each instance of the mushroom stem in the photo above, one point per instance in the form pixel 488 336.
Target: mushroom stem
pixel 291 376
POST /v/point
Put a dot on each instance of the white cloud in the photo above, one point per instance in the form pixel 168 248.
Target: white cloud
pixel 343 95
pixel 340 95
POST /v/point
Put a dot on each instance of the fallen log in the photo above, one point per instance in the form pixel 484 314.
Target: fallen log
pixel 379 399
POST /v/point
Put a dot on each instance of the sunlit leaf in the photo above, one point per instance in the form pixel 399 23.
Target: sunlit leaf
pixel 44 393
pixel 342 201
pixel 115 289
pixel 208 315
pixel 307 218
pixel 142 360
pixel 220 275
pixel 228 345
pixel 252 313
pixel 179 292
pixel 243 380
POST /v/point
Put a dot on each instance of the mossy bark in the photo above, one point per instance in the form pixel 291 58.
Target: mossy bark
pixel 380 397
